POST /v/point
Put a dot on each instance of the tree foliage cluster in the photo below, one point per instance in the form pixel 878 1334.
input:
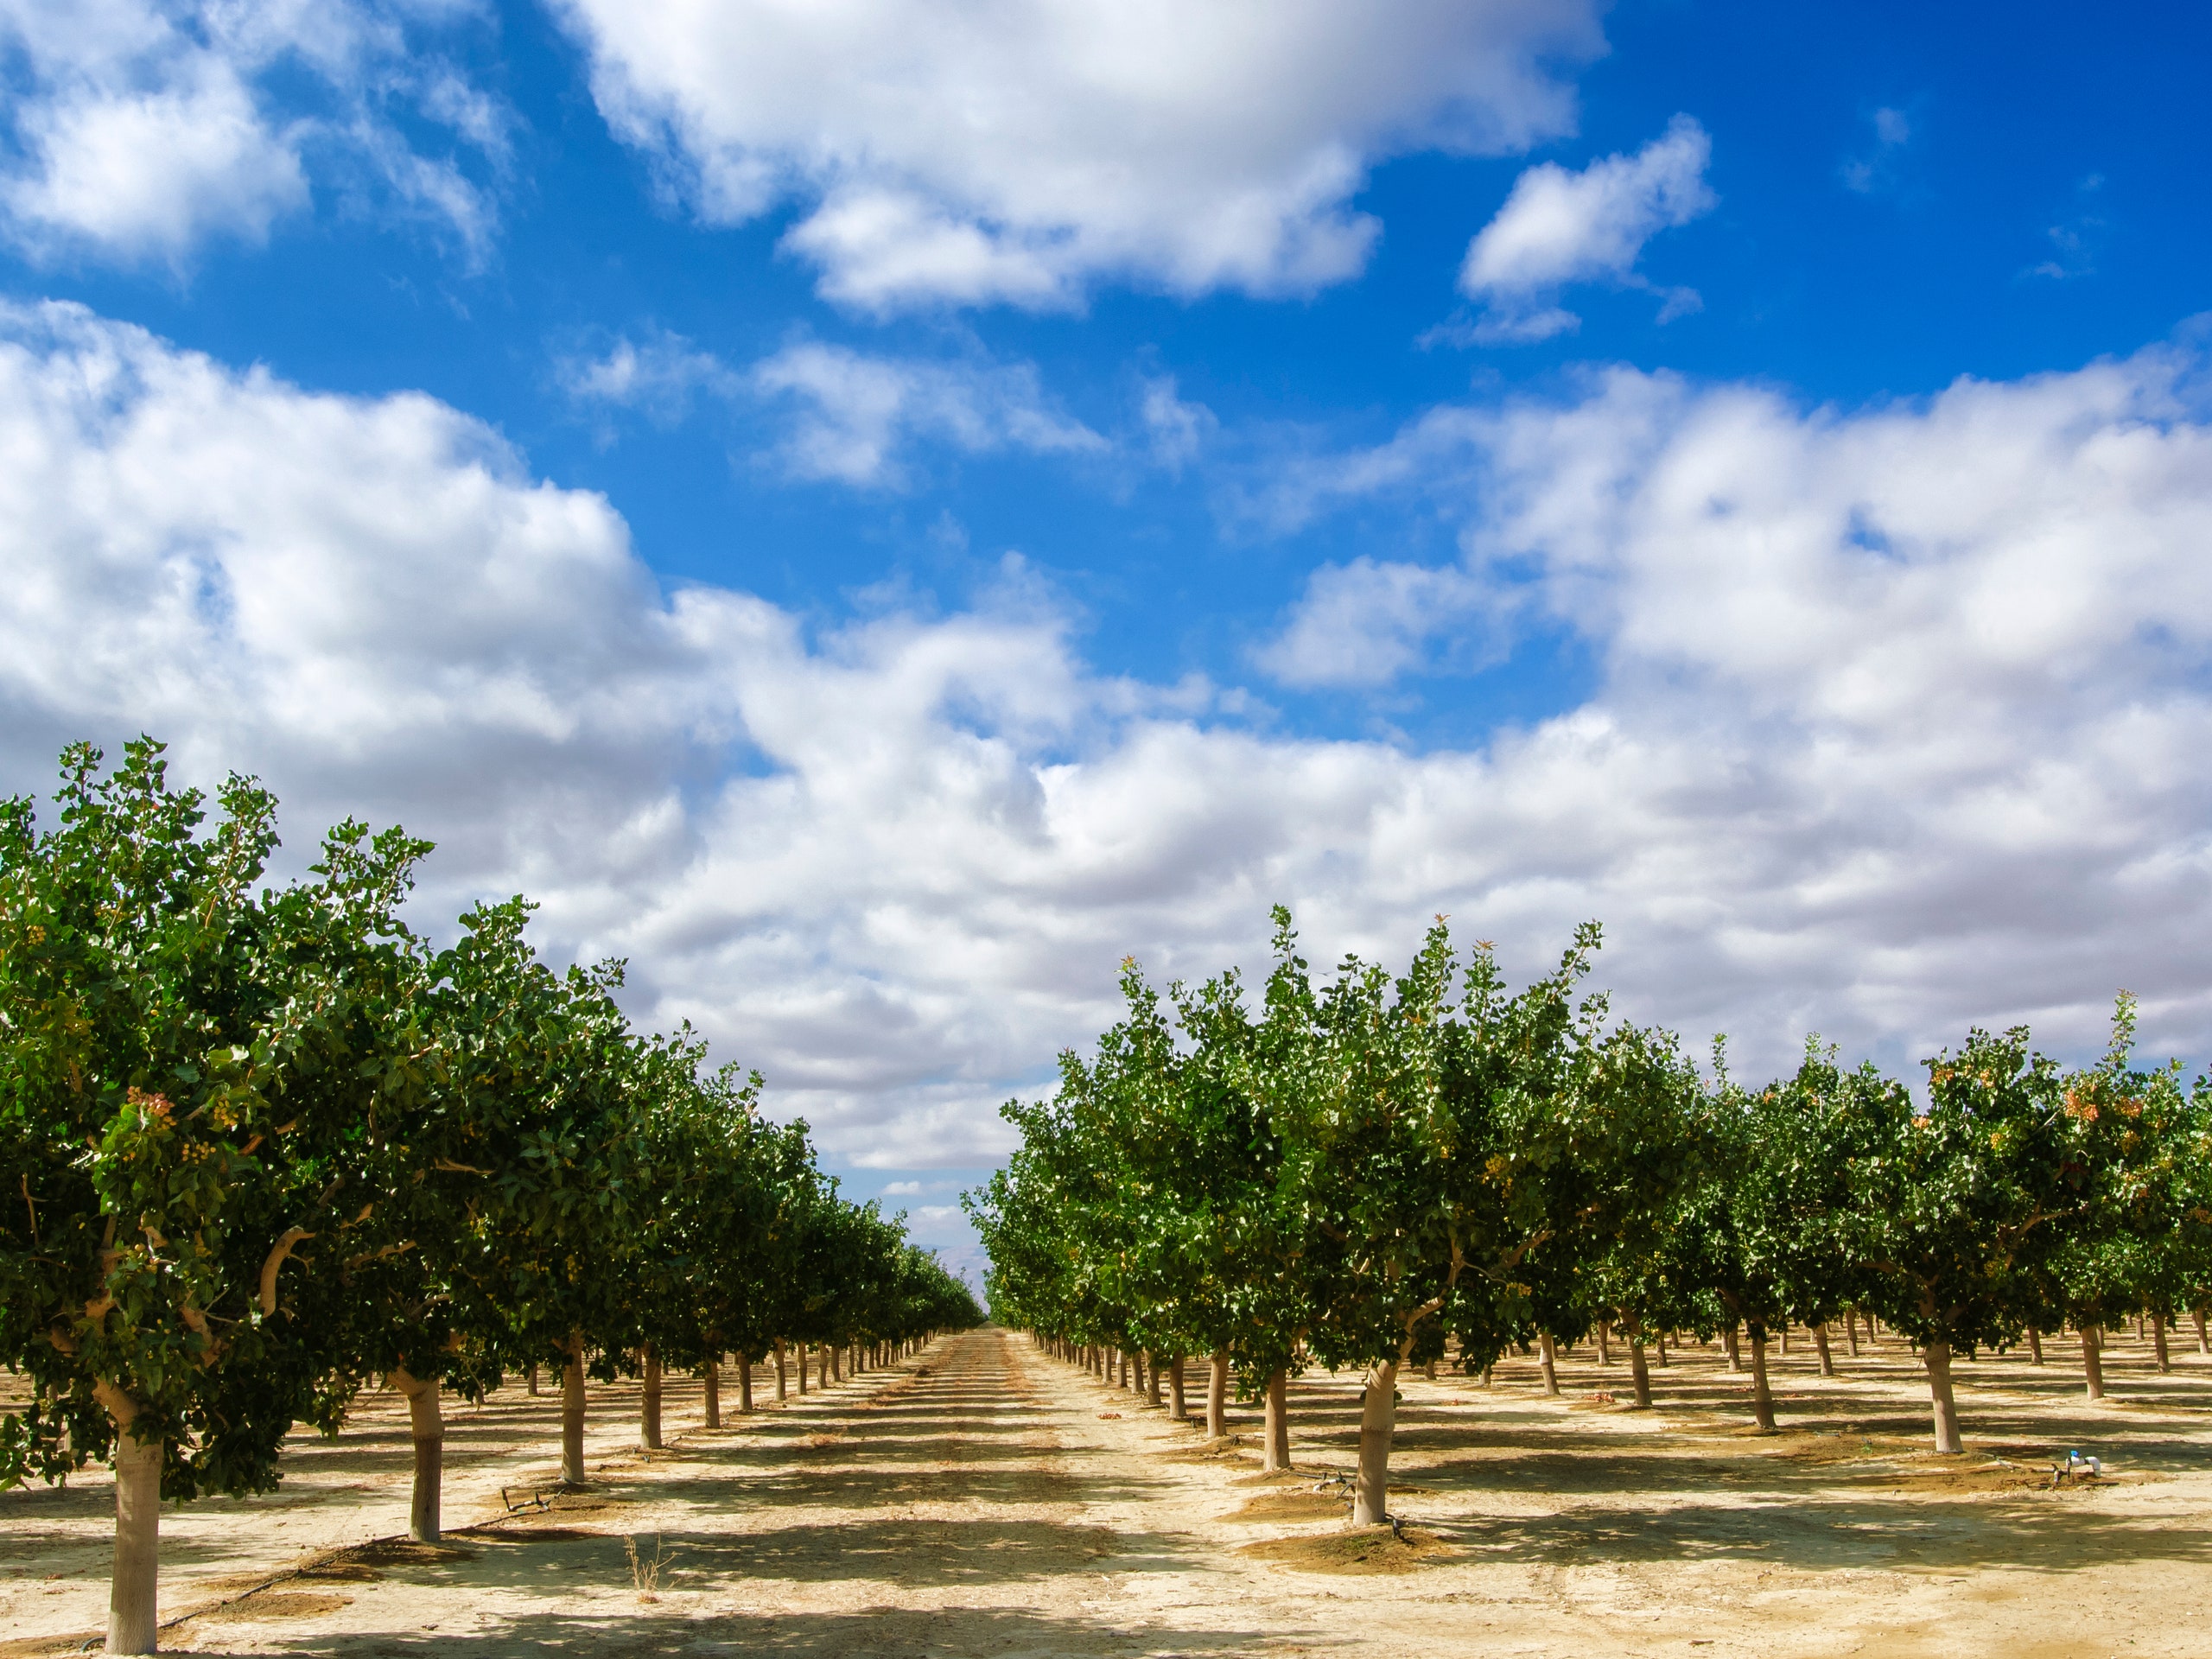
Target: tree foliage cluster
pixel 1372 1170
pixel 263 1144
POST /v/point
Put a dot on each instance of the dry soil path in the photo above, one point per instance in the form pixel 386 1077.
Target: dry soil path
pixel 985 1499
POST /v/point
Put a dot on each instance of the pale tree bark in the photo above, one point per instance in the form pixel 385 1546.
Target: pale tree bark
pixel 1659 1347
pixel 649 1402
pixel 1547 1355
pixel 1936 1357
pixel 1821 1346
pixel 1604 1344
pixel 134 1586
pixel 745 1383
pixel 426 1422
pixel 1378 1419
pixel 1735 1353
pixel 1639 1373
pixel 1177 1408
pixel 572 1412
pixel 1274 1450
pixel 1152 1379
pixel 1135 1377
pixel 2093 1361
pixel 533 1379
pixel 1762 1401
pixel 1851 1330
pixel 2203 1338
pixel 710 1381
pixel 1218 1396
pixel 2158 1341
pixel 1782 1331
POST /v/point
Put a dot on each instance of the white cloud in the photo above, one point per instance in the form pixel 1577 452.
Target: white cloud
pixel 975 151
pixel 1176 429
pixel 1559 227
pixel 858 410
pixel 1876 168
pixel 1365 624
pixel 136 129
pixel 1901 722
pixel 658 376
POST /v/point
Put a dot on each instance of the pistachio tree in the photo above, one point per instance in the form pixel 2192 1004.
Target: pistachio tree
pixel 183 1060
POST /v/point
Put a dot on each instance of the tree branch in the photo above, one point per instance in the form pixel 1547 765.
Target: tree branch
pixel 283 1248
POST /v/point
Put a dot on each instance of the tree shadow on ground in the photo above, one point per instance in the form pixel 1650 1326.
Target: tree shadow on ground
pixel 869 1633
pixel 1836 1535
pixel 910 1551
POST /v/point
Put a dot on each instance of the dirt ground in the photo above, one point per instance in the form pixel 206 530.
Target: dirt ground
pixel 985 1499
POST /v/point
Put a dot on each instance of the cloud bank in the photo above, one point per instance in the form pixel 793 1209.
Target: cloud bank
pixel 1902 720
pixel 975 151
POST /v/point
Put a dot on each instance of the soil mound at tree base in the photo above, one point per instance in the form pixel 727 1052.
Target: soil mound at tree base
pixel 1365 1550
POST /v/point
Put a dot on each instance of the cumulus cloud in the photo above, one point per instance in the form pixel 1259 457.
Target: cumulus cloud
pixel 857 410
pixel 1017 150
pixel 136 129
pixel 1367 623
pixel 1559 227
pixel 1900 723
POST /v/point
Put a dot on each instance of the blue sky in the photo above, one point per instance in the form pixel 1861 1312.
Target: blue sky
pixel 875 512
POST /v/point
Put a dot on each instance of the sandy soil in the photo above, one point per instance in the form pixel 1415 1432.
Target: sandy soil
pixel 987 1500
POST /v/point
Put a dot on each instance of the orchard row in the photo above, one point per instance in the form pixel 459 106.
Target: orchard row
pixel 262 1145
pixel 1377 1172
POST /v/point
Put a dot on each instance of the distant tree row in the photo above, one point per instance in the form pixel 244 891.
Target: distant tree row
pixel 262 1145
pixel 1376 1171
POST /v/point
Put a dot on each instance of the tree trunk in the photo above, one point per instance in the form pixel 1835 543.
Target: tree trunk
pixel 802 1371
pixel 1659 1347
pixel 1428 1369
pixel 1735 1353
pixel 2092 1363
pixel 1378 1417
pixel 533 1379
pixel 2035 1347
pixel 2158 1341
pixel 1136 1371
pixel 1217 1397
pixel 711 1386
pixel 1762 1401
pixel 1275 1452
pixel 1547 1356
pixel 1851 1330
pixel 1177 1410
pixel 1820 1347
pixel 782 1392
pixel 2204 1339
pixel 135 1583
pixel 572 1412
pixel 1936 1357
pixel 1152 1380
pixel 1605 1343
pixel 1639 1373
pixel 1782 1331
pixel 745 1383
pixel 428 1423
pixel 649 1402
